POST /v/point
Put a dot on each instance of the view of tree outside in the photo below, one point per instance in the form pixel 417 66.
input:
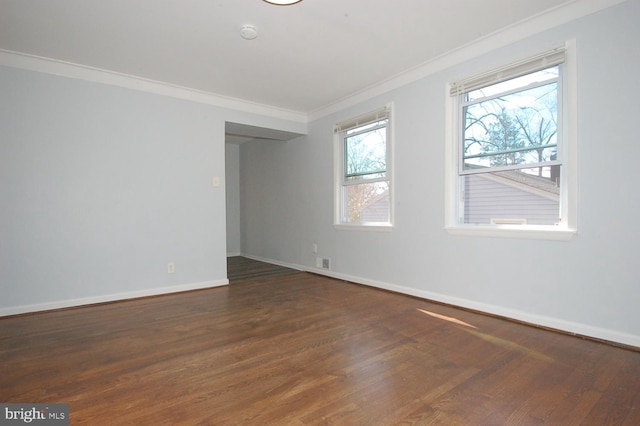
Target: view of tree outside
pixel 509 151
pixel 361 196
pixel 513 123
pixel 365 159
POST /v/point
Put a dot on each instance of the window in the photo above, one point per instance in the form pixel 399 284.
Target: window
pixel 510 147
pixel 363 170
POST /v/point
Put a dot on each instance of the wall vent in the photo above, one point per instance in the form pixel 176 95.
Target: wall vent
pixel 323 263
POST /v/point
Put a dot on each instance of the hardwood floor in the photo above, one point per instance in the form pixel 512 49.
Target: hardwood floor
pixel 241 268
pixel 301 349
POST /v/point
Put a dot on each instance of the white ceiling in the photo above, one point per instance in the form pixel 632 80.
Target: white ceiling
pixel 306 57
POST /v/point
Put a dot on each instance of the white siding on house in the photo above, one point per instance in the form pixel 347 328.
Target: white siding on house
pixel 377 210
pixel 487 199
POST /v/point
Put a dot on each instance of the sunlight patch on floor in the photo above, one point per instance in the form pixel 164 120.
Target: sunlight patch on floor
pixel 443 317
pixel 489 338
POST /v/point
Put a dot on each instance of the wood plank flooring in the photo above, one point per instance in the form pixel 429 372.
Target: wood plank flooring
pixel 301 349
pixel 241 268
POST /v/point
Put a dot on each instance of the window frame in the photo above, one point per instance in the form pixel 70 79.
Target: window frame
pixel 341 181
pixel 567 152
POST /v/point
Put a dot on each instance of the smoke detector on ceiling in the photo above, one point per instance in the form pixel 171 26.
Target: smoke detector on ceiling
pixel 248 32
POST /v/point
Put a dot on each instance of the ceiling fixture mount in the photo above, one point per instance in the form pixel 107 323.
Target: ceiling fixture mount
pixel 282 2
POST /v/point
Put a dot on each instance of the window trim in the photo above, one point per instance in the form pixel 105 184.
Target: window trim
pixel 568 152
pixel 339 168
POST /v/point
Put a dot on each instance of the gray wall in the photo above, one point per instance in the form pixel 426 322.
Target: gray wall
pixel 232 163
pixel 102 186
pixel 589 285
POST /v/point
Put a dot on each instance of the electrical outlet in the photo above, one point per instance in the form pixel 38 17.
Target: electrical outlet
pixel 171 268
pixel 318 262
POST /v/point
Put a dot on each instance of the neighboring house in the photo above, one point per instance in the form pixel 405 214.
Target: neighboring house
pixel 376 209
pixel 501 197
pixel 511 197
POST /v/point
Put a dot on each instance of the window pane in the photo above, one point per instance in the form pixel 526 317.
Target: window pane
pixel 367 202
pixel 514 83
pixel 515 129
pixel 530 196
pixel 366 151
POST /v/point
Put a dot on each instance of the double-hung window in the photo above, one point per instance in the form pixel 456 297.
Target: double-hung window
pixel 363 170
pixel 510 148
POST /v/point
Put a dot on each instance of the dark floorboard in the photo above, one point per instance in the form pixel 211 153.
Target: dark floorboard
pixel 241 268
pixel 304 349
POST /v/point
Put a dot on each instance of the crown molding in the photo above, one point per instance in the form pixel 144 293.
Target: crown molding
pixel 82 72
pixel 515 32
pixel 518 31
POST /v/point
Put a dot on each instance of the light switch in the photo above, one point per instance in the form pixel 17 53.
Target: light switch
pixel 215 181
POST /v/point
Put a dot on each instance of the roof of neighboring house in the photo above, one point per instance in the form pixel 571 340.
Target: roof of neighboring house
pixel 530 181
pixel 524 181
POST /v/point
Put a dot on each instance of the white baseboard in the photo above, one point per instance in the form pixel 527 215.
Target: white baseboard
pixel 570 327
pixel 60 304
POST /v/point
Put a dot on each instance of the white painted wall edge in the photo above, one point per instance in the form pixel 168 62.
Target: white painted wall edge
pixel 71 303
pixel 539 320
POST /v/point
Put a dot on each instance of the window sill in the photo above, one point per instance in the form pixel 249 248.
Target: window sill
pixel 514 231
pixel 364 227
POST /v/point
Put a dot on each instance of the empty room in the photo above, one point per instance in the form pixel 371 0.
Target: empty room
pixel 323 212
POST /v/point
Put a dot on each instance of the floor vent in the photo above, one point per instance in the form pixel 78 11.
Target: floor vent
pixel 323 263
